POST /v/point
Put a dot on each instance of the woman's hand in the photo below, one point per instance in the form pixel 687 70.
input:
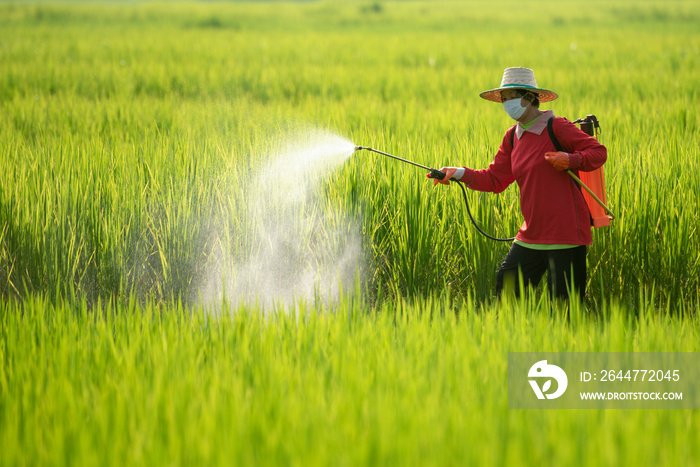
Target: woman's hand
pixel 559 160
pixel 451 173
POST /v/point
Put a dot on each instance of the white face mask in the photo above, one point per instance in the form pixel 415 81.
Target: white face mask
pixel 513 108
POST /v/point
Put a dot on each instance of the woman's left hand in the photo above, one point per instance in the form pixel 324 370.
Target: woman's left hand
pixel 559 160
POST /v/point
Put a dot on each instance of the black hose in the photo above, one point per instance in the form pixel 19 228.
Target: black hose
pixel 466 204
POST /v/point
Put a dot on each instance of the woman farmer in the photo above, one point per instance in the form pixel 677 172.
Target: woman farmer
pixel 557 225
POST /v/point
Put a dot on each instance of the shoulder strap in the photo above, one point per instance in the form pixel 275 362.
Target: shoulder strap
pixel 512 139
pixel 552 136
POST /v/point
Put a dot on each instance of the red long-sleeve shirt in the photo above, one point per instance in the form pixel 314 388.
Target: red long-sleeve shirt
pixel 551 203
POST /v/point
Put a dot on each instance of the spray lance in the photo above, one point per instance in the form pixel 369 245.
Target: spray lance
pixel 434 173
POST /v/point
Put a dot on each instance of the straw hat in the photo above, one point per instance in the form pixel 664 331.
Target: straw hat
pixel 519 78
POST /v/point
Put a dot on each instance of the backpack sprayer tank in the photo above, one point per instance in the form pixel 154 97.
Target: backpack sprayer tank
pixel 594 182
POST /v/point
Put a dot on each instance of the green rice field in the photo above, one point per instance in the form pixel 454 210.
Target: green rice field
pixel 197 269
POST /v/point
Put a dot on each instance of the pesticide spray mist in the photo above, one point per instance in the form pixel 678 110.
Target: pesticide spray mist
pixel 296 246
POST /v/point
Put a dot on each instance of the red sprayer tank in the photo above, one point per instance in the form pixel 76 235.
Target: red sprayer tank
pixel 594 180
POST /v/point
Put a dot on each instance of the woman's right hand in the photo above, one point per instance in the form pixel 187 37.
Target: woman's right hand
pixel 451 173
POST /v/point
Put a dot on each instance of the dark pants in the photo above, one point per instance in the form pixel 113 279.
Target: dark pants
pixel 559 265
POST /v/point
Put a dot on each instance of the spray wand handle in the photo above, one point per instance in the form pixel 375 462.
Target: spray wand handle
pixel 435 173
